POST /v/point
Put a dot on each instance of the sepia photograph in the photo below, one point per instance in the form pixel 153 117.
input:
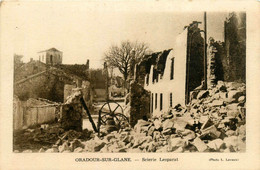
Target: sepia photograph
pixel 184 91
pixel 91 79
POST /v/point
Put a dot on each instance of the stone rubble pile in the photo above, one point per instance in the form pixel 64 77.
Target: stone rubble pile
pixel 47 134
pixel 214 121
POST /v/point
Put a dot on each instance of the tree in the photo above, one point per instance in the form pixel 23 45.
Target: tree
pixel 125 56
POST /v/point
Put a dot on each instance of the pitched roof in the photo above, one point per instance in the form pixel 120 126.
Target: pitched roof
pixel 51 49
pixel 75 69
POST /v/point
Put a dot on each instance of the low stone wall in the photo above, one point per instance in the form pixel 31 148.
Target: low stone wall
pixel 139 103
pixel 24 116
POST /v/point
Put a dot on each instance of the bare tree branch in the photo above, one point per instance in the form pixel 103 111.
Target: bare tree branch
pixel 123 58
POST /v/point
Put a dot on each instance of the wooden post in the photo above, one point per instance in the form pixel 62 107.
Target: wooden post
pixel 89 115
pixel 107 83
pixel 205 51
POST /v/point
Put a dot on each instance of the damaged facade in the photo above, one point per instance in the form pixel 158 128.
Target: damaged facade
pixel 171 74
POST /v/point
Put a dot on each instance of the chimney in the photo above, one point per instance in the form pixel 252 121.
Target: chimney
pixel 31 59
pixel 87 70
pixel 87 64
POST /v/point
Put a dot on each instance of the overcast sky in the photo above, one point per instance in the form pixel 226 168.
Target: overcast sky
pixel 82 31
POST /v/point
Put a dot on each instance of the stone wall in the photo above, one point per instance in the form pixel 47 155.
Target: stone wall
pixel 195 64
pixel 139 103
pixel 235 46
pixel 25 116
pixel 227 60
pixel 45 85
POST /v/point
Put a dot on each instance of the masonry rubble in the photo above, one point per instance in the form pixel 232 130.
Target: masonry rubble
pixel 214 121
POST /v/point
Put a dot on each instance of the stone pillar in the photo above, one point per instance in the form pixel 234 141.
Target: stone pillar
pixel 211 64
pixel 72 115
pixel 139 103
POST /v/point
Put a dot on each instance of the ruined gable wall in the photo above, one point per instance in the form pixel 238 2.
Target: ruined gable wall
pixel 195 50
pixel 166 85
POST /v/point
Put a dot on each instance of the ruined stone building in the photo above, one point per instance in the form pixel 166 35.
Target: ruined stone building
pixel 51 56
pixel 170 75
pixel 47 77
pixel 41 81
pixel 227 60
pixel 50 79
